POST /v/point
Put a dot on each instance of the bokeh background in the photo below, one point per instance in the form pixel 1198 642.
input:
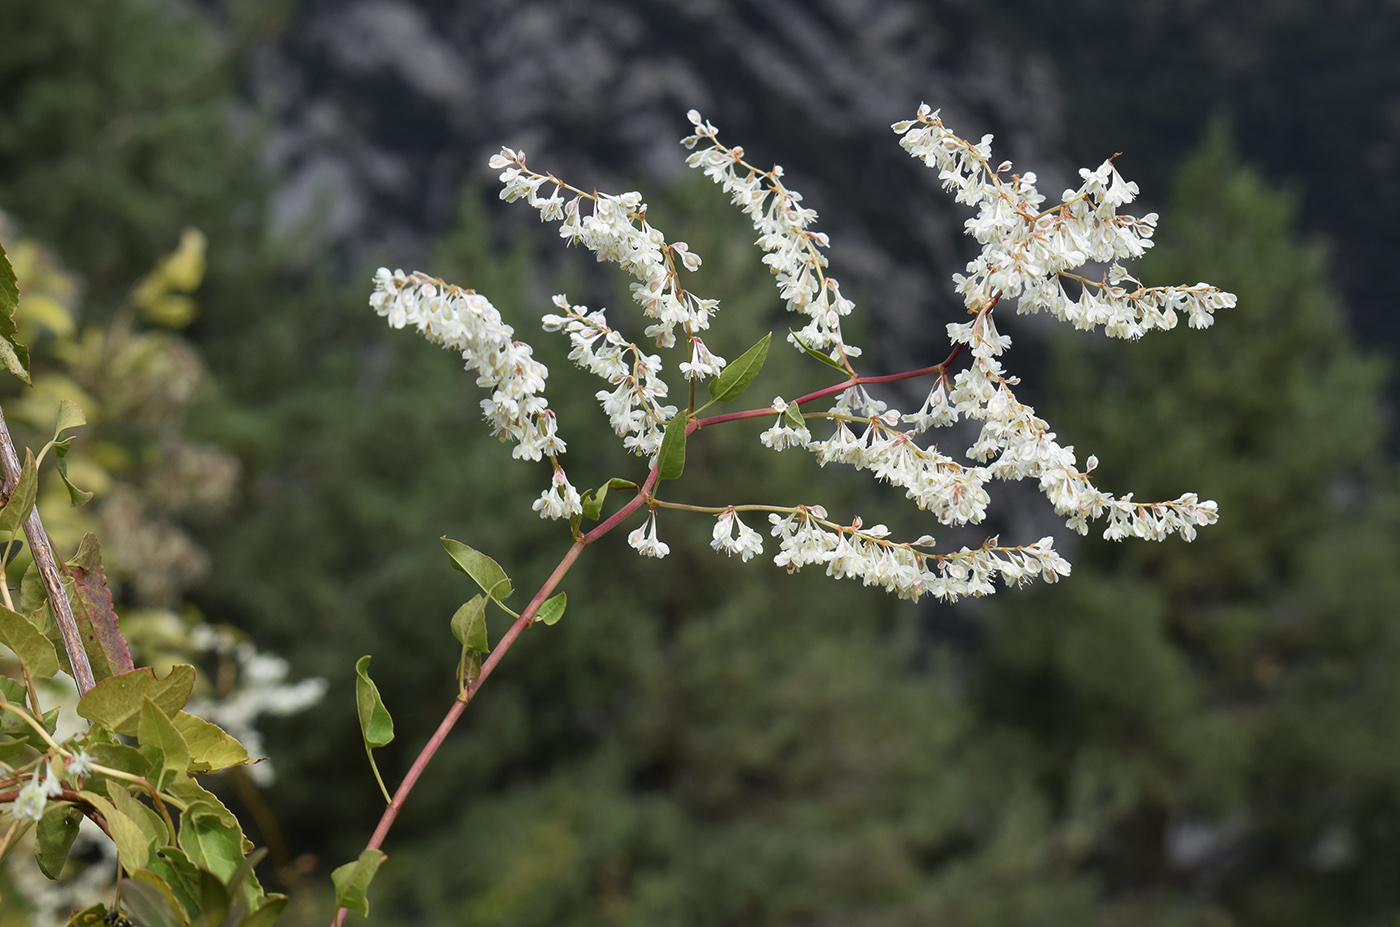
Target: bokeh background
pixel 1176 735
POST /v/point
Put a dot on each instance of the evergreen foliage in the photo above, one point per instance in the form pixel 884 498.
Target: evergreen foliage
pixel 114 133
pixel 1223 713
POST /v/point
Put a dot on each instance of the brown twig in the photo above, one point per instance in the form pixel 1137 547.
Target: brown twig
pixel 48 570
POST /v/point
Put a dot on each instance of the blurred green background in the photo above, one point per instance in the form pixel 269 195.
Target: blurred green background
pixel 1176 735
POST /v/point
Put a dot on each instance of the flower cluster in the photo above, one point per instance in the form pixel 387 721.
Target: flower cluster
pixel 805 537
pixel 633 405
pixel 1030 255
pixel 792 250
pixel 616 229
pixel 734 537
pixel 560 500
pixel 1027 252
pixel 465 321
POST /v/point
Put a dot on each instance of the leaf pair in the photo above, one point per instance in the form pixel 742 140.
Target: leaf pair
pixel 730 384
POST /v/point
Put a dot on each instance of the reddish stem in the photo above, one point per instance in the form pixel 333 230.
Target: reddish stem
pixel 527 617
pixel 830 390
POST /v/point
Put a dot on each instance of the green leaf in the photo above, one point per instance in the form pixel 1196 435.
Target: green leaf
pixel 155 729
pixel 76 496
pixel 209 842
pixel 192 793
pixel 32 594
pixel 211 748
pixel 31 736
pixel 593 504
pixel 824 358
pixel 243 887
pixel 14 355
pixel 122 758
pixel 670 461
pixel 132 848
pixel 152 827
pixel 267 914
pixel 21 501
pixel 54 837
pixel 150 901
pixel 34 650
pixel 116 701
pixel 352 881
pixel 552 609
pixel 376 726
pixel 69 416
pixel 593 499
pixel 793 415
pixel 13 690
pixel 213 900
pixel 375 723
pixel 487 572
pixel 736 377
pixel 469 625
pixel 92 916
pixel 92 608
pixel 180 875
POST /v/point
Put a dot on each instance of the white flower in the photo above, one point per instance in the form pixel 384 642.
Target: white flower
pixel 560 500
pixel 34 795
pixel 746 544
pixel 702 363
pixel 644 541
pixel 80 766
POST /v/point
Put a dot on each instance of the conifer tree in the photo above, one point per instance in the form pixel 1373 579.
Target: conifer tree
pixel 1218 721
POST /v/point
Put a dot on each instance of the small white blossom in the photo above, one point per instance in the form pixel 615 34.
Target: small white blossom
pixel 560 500
pixel 644 541
pixel 34 795
pixel 80 766
pixel 746 543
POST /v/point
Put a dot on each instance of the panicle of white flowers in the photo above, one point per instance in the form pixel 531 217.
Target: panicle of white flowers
pixel 792 249
pixel 1028 252
pixel 615 228
pixel 633 405
pixel 805 537
pixel 1024 447
pixel 784 433
pixel 1029 256
pixel 80 766
pixel 465 321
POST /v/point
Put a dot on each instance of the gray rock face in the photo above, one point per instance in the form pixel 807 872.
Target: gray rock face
pixel 384 107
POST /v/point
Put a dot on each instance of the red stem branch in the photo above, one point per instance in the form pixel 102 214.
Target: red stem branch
pixel 527 617
pixel 831 390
